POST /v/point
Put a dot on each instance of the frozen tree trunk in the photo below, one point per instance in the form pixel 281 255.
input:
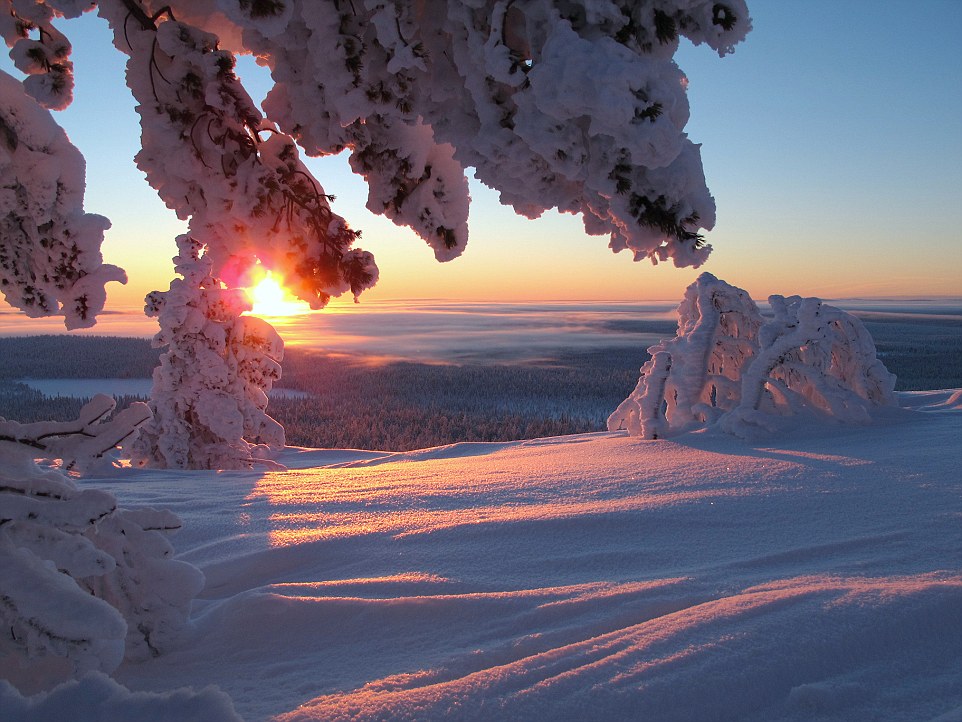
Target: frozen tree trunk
pixel 209 396
pixel 82 583
pixel 726 367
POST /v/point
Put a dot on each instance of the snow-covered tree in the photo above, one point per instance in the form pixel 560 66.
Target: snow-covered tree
pixel 729 367
pixel 82 583
pixel 693 378
pixel 568 104
pixel 210 389
pixel 812 357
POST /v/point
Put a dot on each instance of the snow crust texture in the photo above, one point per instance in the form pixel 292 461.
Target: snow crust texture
pixel 730 366
pixel 594 577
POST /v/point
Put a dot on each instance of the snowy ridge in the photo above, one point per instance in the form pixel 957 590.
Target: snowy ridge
pixel 588 577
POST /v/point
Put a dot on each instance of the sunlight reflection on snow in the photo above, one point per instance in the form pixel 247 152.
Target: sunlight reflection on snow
pixel 344 503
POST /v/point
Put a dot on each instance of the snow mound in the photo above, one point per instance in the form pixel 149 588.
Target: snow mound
pixel 97 697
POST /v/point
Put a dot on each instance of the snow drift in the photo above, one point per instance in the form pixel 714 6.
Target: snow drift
pixel 586 577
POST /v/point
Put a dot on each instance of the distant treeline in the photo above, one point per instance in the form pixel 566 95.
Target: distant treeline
pixel 354 404
pixel 400 406
pixel 924 353
pixel 76 357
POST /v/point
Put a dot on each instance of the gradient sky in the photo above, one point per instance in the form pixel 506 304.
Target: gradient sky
pixel 832 142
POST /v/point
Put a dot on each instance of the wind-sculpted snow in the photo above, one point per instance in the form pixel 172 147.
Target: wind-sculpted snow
pixel 575 578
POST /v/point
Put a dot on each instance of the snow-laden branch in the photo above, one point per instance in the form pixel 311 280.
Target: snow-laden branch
pixel 216 161
pixel 574 105
pixel 82 583
pixel 570 105
pixel 79 443
pixel 727 366
pixel 50 260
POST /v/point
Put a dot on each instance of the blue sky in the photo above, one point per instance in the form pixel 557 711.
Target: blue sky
pixel 831 138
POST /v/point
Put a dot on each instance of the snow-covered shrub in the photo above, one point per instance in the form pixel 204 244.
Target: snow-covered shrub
pixel 726 366
pixel 80 579
pixel 813 357
pixel 696 376
pixel 96 696
pixel 53 627
pixel 210 390
pixel 151 590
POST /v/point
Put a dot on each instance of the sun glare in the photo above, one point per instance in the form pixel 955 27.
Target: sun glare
pixel 270 298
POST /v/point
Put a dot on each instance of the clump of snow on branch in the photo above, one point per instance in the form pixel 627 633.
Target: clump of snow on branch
pixel 39 50
pixel 50 260
pixel 216 161
pixel 82 583
pixel 570 105
pixel 210 390
pixel 728 366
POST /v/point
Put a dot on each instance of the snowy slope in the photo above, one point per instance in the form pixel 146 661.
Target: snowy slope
pixel 574 578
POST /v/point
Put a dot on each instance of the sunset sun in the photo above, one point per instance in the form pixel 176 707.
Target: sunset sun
pixel 270 298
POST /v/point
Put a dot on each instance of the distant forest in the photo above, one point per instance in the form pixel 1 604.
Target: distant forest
pixel 402 405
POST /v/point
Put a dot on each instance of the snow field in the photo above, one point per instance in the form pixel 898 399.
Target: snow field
pixel 583 577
